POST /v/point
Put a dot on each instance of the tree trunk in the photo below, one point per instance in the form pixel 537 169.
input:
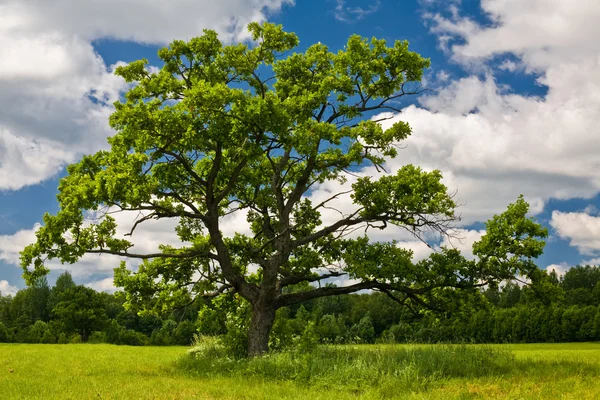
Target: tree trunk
pixel 261 323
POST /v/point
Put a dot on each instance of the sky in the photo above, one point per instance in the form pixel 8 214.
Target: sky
pixel 513 108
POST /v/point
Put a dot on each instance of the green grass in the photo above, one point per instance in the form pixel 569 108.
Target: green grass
pixel 539 371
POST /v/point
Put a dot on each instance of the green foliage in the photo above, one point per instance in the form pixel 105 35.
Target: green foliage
pixel 4 336
pixel 62 338
pixel 341 368
pixel 328 329
pixel 184 333
pixel 581 277
pixel 511 242
pixel 309 339
pixel 210 322
pixel 62 284
pixel 81 310
pixel 235 339
pixel 98 337
pixel 130 337
pixel 363 332
pixel 208 135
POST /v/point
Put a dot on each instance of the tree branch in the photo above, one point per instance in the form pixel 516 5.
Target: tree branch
pixel 190 254
pixel 294 279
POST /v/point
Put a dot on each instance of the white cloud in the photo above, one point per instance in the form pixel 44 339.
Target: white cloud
pixel 581 229
pixel 560 269
pixel 352 13
pixel 463 240
pixel 442 76
pixel 591 210
pixel 146 238
pixel 6 289
pixel 11 245
pixel 104 285
pixel 492 144
pixel 458 238
pixel 510 66
pixel 420 250
pixel 543 33
pixel 149 21
pixel 56 93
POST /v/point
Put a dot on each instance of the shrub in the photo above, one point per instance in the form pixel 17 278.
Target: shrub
pixel 37 331
pixel 62 338
pixel 184 333
pixel 3 334
pixel 235 340
pixel 130 337
pixel 97 337
pixel 363 332
pixel 328 329
pixel 160 338
pixel 210 322
pixel 48 337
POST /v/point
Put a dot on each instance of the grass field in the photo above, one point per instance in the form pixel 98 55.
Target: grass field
pixel 538 371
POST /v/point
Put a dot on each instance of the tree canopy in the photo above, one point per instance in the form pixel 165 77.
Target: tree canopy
pixel 254 129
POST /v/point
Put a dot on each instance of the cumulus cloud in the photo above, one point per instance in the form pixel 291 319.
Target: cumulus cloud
pixel 151 21
pixel 581 229
pixel 458 238
pixel 146 239
pixel 492 144
pixel 103 285
pixel 6 289
pixel 56 92
pixel 543 33
pixel 463 240
pixel 560 269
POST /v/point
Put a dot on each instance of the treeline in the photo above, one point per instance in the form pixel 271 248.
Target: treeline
pixel 69 313
pixel 511 314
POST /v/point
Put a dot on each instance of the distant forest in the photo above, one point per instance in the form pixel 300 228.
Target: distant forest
pixel 71 313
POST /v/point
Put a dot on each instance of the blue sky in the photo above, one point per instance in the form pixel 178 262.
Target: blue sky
pixel 514 108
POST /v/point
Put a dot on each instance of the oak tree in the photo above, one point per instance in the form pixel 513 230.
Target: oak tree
pixel 255 129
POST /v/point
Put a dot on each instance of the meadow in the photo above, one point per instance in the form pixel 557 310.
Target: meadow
pixel 99 371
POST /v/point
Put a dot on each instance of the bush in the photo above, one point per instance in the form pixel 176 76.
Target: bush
pixel 210 322
pixel 160 338
pixel 62 338
pixel 37 332
pixel 130 337
pixel 363 332
pixel 328 329
pixel 235 340
pixel 398 333
pixel 282 334
pixel 48 337
pixel 98 337
pixel 184 333
pixel 113 332
pixel 4 337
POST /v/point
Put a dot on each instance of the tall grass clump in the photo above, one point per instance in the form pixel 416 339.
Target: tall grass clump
pixel 362 368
